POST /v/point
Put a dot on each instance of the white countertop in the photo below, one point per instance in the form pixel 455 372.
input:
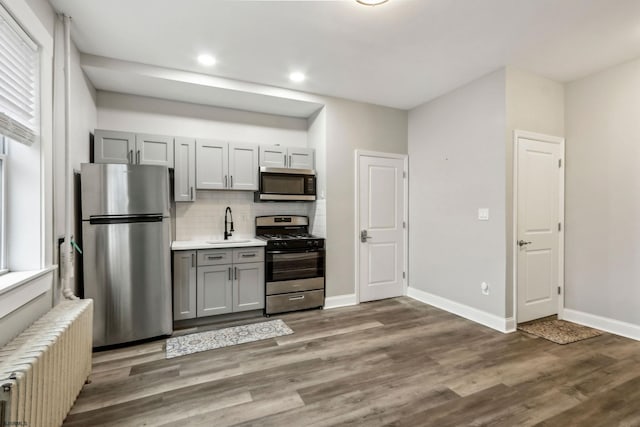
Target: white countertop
pixel 187 245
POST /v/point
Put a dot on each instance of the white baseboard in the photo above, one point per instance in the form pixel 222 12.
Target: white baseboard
pixel 479 316
pixel 340 301
pixel 607 324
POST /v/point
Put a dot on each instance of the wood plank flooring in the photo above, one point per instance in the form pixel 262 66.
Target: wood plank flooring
pixel 393 362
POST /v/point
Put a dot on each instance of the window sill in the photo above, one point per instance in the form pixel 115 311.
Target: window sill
pixel 21 287
pixel 15 279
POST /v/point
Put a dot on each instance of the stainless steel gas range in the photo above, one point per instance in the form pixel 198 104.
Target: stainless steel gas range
pixel 295 264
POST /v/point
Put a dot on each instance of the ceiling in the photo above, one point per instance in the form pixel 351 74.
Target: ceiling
pixel 399 54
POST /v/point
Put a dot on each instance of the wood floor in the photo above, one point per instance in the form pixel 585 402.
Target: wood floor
pixel 393 362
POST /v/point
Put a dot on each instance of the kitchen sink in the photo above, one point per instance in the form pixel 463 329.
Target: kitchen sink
pixel 226 242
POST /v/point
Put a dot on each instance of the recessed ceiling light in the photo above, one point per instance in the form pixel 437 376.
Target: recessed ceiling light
pixel 371 2
pixel 206 60
pixel 297 77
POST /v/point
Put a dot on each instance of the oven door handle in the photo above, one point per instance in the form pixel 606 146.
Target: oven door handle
pixel 295 251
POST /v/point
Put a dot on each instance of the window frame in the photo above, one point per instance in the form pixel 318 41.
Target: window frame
pixel 3 208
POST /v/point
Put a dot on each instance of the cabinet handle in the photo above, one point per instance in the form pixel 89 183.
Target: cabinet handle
pixel 193 260
pixel 296 298
pixel 229 273
pixel 138 157
pixel 235 273
pixel 285 160
pixel 191 192
pixel 214 257
pixel 225 181
pixel 248 255
pixel 289 161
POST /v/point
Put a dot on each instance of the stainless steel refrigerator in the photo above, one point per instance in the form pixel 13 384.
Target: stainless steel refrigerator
pixel 126 238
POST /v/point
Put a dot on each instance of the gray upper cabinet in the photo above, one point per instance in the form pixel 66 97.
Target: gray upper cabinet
pixel 212 164
pixel 226 166
pixel 243 167
pixel 185 170
pixel 275 156
pixel 113 146
pixel 154 150
pixel 301 158
pixel 126 147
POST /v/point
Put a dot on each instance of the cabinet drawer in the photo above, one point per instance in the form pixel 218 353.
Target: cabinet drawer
pixel 214 257
pixel 294 301
pixel 241 255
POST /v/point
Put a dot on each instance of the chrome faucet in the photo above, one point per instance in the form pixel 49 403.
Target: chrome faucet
pixel 227 234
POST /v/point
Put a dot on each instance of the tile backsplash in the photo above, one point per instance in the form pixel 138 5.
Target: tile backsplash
pixel 204 218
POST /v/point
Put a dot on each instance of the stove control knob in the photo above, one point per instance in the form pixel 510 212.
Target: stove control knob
pixel 309 243
pixel 316 243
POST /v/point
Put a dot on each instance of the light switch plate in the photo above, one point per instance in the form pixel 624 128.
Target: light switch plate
pixel 483 214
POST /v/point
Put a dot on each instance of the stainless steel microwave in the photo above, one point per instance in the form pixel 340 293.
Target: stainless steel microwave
pixel 283 184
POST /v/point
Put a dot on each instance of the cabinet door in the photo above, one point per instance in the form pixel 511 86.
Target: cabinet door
pixel 113 147
pixel 184 285
pixel 215 295
pixel 301 158
pixel 154 150
pixel 184 183
pixel 243 167
pixel 248 286
pixel 212 163
pixel 273 156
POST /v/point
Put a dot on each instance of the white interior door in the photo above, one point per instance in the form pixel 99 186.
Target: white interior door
pixel 381 208
pixel 539 181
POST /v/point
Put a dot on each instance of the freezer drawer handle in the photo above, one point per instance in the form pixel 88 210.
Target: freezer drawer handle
pixel 299 297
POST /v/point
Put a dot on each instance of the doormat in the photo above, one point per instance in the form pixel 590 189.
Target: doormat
pixel 559 331
pixel 209 340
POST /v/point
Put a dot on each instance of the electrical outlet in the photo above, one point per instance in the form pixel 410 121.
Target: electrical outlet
pixel 484 287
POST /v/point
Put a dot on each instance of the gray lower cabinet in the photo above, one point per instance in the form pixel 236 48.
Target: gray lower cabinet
pixel 184 285
pixel 208 282
pixel 215 290
pixel 248 290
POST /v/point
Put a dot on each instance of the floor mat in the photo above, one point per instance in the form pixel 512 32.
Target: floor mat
pixel 209 340
pixel 559 331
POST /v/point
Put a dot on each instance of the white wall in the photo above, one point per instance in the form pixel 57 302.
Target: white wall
pixel 352 126
pixel 534 104
pixel 602 273
pixel 457 163
pixel 156 116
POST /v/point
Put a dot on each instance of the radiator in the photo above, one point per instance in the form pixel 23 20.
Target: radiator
pixel 43 369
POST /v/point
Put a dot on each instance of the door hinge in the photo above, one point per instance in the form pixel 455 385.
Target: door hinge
pixel 559 163
pixel 404 275
pixel 559 292
pixel 559 226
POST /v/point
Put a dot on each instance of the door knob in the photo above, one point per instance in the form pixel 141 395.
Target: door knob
pixel 363 236
pixel 523 243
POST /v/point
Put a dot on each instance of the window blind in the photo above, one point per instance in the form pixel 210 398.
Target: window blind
pixel 19 77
